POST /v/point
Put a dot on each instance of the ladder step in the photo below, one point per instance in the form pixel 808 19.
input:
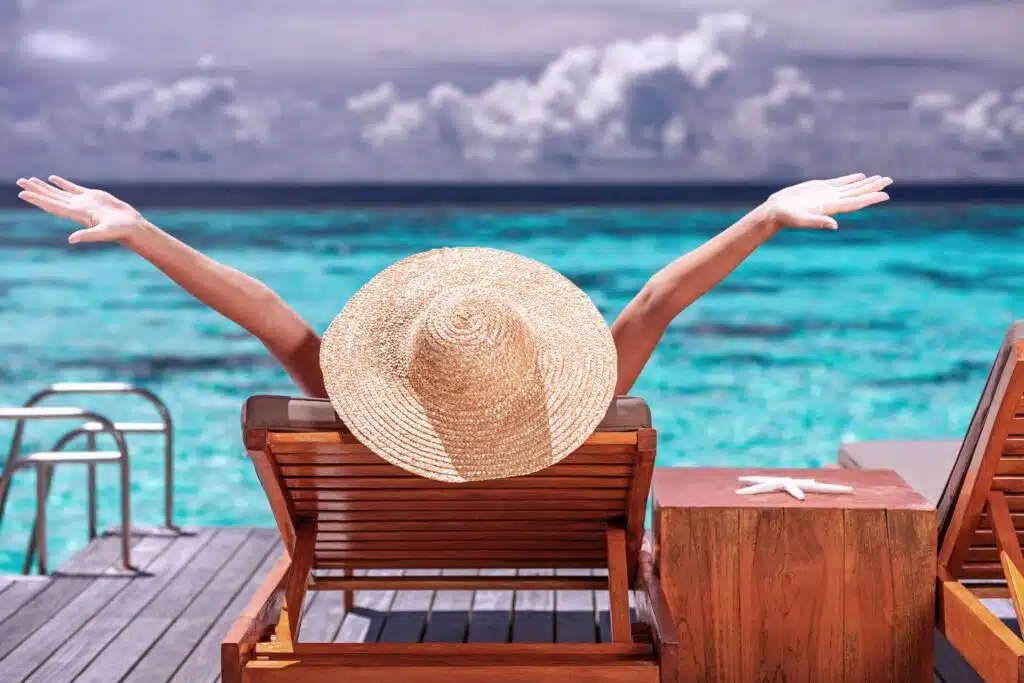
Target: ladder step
pixel 37 412
pixel 57 457
pixel 92 387
pixel 127 427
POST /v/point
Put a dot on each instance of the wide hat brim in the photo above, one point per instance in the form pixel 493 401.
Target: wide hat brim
pixel 468 364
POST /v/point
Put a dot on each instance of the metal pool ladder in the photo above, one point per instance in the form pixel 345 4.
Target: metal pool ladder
pixel 91 424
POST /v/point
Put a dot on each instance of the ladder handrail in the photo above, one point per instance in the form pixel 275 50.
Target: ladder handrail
pixel 81 388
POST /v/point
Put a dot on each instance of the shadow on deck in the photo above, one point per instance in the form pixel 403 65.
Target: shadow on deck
pixel 89 622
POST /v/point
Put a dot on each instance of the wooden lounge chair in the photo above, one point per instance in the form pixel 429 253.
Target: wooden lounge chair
pixel 977 486
pixel 340 507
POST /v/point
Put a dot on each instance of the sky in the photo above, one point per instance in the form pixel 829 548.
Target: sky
pixel 360 90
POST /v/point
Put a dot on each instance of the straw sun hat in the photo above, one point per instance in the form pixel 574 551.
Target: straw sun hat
pixel 468 364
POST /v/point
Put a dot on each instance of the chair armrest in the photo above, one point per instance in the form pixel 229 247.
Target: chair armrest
pixel 653 609
pixel 981 638
pixel 261 615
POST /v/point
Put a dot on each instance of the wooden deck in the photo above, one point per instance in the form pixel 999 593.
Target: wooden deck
pixel 88 622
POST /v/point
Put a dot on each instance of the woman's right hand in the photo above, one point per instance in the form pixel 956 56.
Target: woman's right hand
pixel 105 217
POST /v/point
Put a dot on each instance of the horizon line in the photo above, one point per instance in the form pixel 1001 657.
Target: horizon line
pixel 407 194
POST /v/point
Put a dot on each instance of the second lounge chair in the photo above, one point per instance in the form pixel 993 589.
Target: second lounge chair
pixel 977 486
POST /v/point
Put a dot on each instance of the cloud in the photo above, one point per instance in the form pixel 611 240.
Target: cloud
pixel 629 99
pixel 988 128
pixel 63 46
pixel 713 102
pixel 992 118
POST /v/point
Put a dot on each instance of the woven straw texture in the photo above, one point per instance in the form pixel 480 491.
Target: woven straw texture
pixel 469 364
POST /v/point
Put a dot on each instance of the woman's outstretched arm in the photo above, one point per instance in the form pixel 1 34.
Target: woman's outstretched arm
pixel 643 322
pixel 291 340
pixel 238 297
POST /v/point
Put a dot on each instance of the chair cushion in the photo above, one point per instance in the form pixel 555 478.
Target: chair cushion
pixel 285 413
pixel 925 465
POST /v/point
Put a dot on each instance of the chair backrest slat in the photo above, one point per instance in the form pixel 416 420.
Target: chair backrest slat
pixel 371 514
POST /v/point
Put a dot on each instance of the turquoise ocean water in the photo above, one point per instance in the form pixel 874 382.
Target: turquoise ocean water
pixel 885 329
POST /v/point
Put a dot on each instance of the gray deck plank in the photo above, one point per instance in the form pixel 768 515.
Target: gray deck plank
pixel 157 606
pixel 186 604
pixel 449 612
pixel 203 663
pixel 533 618
pixel 574 612
pixel 80 570
pixel 321 616
pixel 490 619
pixel 20 590
pixel 324 612
pixel 407 619
pixel 314 616
pixel 364 623
pixel 54 651
pixel 178 641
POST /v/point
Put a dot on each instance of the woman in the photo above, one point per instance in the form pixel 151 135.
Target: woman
pixel 292 341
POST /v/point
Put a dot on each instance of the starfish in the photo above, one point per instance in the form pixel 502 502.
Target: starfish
pixel 794 487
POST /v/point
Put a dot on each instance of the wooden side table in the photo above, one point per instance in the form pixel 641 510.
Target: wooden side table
pixel 837 587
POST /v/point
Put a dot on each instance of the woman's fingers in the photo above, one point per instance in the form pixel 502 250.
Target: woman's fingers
pixel 845 180
pixel 66 185
pixel 33 185
pixel 866 186
pixel 854 188
pixel 37 185
pixel 878 185
pixel 858 202
pixel 49 205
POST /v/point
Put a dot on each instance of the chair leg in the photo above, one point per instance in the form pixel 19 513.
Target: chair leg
pixel 618 585
pixel 298 576
pixel 348 597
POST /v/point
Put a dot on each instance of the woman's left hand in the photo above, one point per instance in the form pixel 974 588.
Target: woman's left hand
pixel 813 203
